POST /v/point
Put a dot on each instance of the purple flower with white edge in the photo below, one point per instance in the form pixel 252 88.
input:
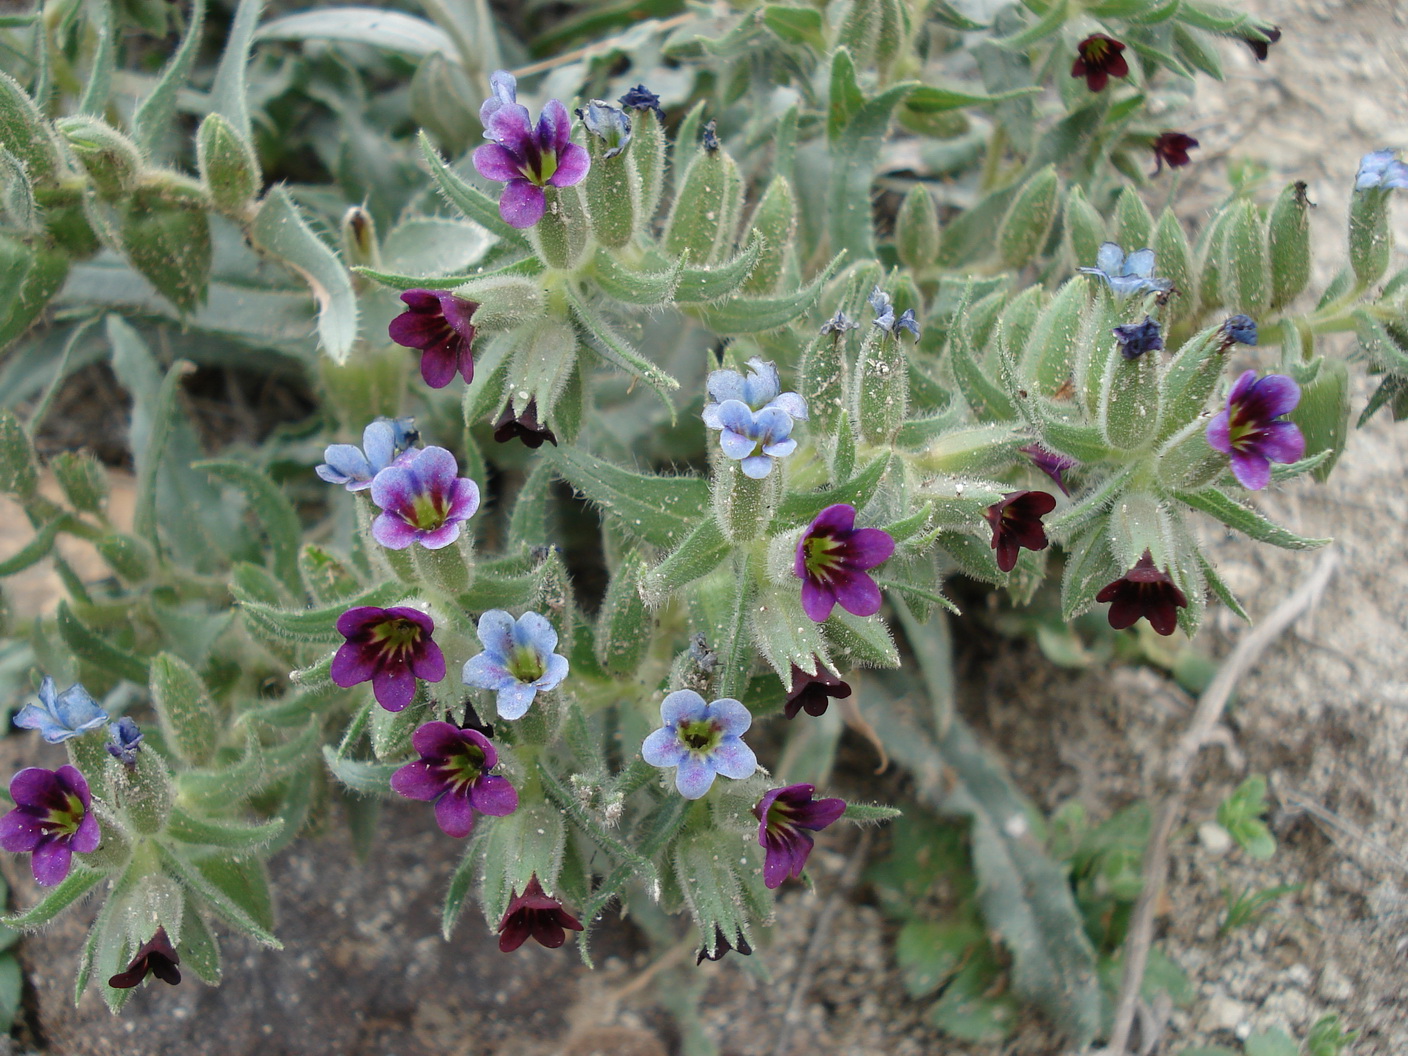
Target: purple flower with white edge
pixel 59 716
pixel 390 648
pixel 1127 274
pixel 52 819
pixel 1050 463
pixel 527 159
pixel 1381 168
pixel 441 325
pixel 701 740
pixel 383 442
pixel 1251 429
pixel 423 500
pixel 126 741
pixel 760 388
pixel 754 438
pixel 833 557
pixel 885 319
pixel 1137 338
pixel 517 662
pixel 784 815
pixel 453 773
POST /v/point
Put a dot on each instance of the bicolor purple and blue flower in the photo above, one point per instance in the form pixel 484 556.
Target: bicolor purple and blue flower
pixel 423 500
pixel 59 716
pixel 701 740
pixel 518 662
pixel 384 441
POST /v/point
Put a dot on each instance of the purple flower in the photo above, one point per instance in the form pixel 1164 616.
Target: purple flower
pixel 642 98
pixel 440 325
pixel 1144 591
pixel 1016 523
pixel 1138 338
pixel 51 820
pixel 722 946
pixel 518 660
pixel 1126 275
pixel 423 499
pixel 885 319
pixel 384 441
pixel 760 389
pixel 1381 168
pixel 1172 148
pixel 812 693
pixel 526 158
pixel 390 648
pixel 754 438
pixel 453 773
pixel 783 814
pixel 1053 465
pixel 537 915
pixel 525 427
pixel 701 740
pixel 832 558
pixel 126 741
pixel 59 716
pixel 1098 58
pixel 1250 429
pixel 1239 329
pixel 156 957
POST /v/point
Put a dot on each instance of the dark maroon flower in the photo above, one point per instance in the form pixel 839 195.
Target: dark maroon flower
pixel 525 427
pixel 440 325
pixel 1016 522
pixel 1144 591
pixel 1260 48
pixel 1053 465
pixel 722 946
pixel 1098 59
pixel 1251 429
pixel 783 814
pixel 391 648
pixel 453 773
pixel 813 692
pixel 1137 338
pixel 157 957
pixel 51 820
pixel 832 558
pixel 538 915
pixel 1171 149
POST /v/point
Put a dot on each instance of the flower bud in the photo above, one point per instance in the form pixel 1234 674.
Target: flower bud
pixel 143 792
pixel 1024 229
pixel 1245 278
pixel 743 505
pixel 775 223
pixel 18 464
pixel 1133 223
pixel 1288 245
pixel 560 237
pixel 184 708
pixel 83 480
pixel 129 556
pixel 1323 412
pixel 1085 227
pixel 1370 237
pixel 112 161
pixel 228 166
pixel 26 135
pixel 611 186
pixel 917 230
pixel 359 243
pixel 170 246
pixel 704 219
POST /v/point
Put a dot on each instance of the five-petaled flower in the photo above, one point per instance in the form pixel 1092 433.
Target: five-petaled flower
pixel 1098 58
pixel 525 158
pixel 441 325
pixel 537 915
pixel 1144 591
pixel 833 559
pixel 721 946
pixel 1382 169
pixel 1251 429
pixel 885 317
pixel 59 716
pixel 751 438
pixel 51 820
pixel 812 693
pixel 1016 523
pixel 384 441
pixel 1050 463
pixel 126 741
pixel 1126 275
pixel 423 500
pixel 155 957
pixel 1261 48
pixel 701 740
pixel 759 389
pixel 390 648
pixel 518 660
pixel 784 815
pixel 523 426
pixel 1171 148
pixel 1137 338
pixel 453 773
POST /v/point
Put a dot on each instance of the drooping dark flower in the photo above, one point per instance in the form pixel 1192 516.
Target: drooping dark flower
pixel 525 427
pixel 1171 148
pixel 155 957
pixel 885 317
pixel 786 816
pixel 642 98
pixel 453 773
pixel 1239 329
pixel 441 325
pixel 1098 58
pixel 1261 48
pixel 423 500
pixel 390 648
pixel 60 716
pixel 1144 591
pixel 383 442
pixel 1016 523
pixel 525 158
pixel 700 740
pixel 537 915
pixel 1137 338
pixel 833 559
pixel 51 820
pixel 1381 168
pixel 721 946
pixel 519 660
pixel 607 123
pixel 1050 463
pixel 812 693
pixel 126 741
pixel 1251 430
pixel 1127 274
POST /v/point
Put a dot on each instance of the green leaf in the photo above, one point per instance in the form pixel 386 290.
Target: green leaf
pixel 397 281
pixel 274 511
pixel 800 508
pixel 98 651
pixel 37 548
pixel 704 550
pixel 314 625
pixel 711 283
pixel 610 346
pixel 657 509
pixel 154 118
pixel 855 148
pixel 929 99
pixel 103 59
pixel 752 315
pixel 372 779
pixel 188 828
pixel 468 199
pixel 374 27
pixel 1274 1042
pixel 649 288
pixel 229 95
pixel 1218 504
pixel 80 880
pixel 236 888
pixel 796 25
pixel 183 705
pixel 1047 24
pixel 200 950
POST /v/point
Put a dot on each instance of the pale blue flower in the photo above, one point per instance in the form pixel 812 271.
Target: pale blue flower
pixel 383 441
pixel 1126 275
pixel 59 716
pixel 608 123
pixel 760 388
pixel 754 439
pixel 518 660
pixel 701 740
pixel 1381 168
pixel 885 319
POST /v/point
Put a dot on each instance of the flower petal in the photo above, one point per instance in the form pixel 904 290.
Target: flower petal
pixel 1219 433
pixel 857 594
pixel 1252 470
pixel 496 162
pixel 1281 442
pixel 533 630
pixel 392 532
pixel 86 838
pixel 512 702
pixel 496 633
pixel 868 547
pixel 438 365
pixel 428 662
pixel 394 687
pixel 352 665
pixel 554 672
pixel 734 759
pixel 817 601
pixel 1273 396
pixel 485 672
pixel 20 832
pixel 683 705
pixel 735 445
pixel 454 815
pixel 51 862
pixel 522 204
pixel 663 749
pixel 1110 258
pixel 733 718
pixel 572 165
pixel 494 796
pixel 737 417
pixel 791 403
pixel 694 777
pixel 417 780
pixel 756 467
pixel 726 385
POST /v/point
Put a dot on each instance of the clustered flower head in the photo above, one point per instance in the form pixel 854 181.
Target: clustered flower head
pixel 390 648
pixel 833 559
pixel 441 325
pixel 813 693
pixel 518 660
pixel 1146 591
pixel 1382 169
pixel 384 442
pixel 1137 338
pixel 701 740
pixel 1098 58
pixel 155 957
pixel 525 427
pixel 537 915
pixel 1127 275
pixel 423 500
pixel 526 158
pixel 1252 431
pixel 51 820
pixel 1050 463
pixel 885 317
pixel 1172 148
pixel 1016 523
pixel 786 817
pixel 453 773
pixel 59 716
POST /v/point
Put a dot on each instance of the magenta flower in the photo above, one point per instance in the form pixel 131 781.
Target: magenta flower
pixel 783 814
pixel 390 648
pixel 1144 591
pixel 1250 429
pixel 156 957
pixel 526 158
pixel 51 820
pixel 832 558
pixel 812 693
pixel 1098 58
pixel 537 915
pixel 453 773
pixel 423 500
pixel 441 326
pixel 1016 522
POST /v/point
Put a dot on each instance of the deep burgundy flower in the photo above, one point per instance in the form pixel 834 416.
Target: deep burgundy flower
pixel 1050 463
pixel 525 427
pixel 812 693
pixel 51 820
pixel 1261 48
pixel 453 773
pixel 390 648
pixel 441 326
pixel 1098 59
pixel 832 558
pixel 722 946
pixel 1137 338
pixel 1016 522
pixel 784 815
pixel 1171 148
pixel 156 957
pixel 537 915
pixel 1144 591
pixel 1251 429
